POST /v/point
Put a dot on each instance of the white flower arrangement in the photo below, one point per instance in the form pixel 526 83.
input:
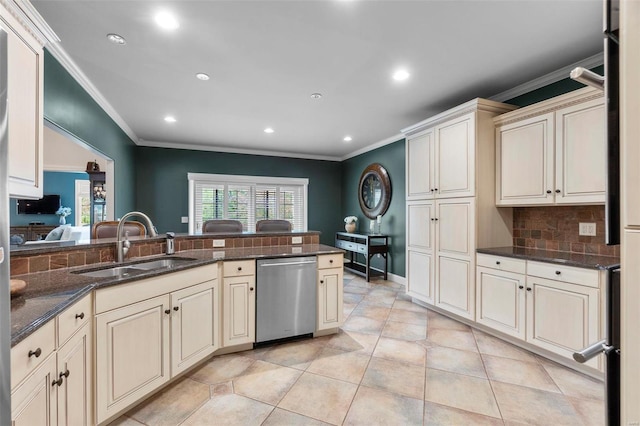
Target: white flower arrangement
pixel 63 211
pixel 350 219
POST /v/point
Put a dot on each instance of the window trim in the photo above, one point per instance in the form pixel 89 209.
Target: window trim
pixel 246 180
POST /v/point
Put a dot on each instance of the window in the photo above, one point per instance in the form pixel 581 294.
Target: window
pixel 83 203
pixel 247 199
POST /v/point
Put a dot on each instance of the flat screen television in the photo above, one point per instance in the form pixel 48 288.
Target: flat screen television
pixel 48 204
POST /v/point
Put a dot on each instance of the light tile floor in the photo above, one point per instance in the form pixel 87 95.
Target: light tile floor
pixel 393 363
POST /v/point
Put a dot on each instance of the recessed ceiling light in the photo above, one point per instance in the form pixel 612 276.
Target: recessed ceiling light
pixel 170 119
pixel 202 76
pixel 316 95
pixel 166 20
pixel 400 75
pixel 116 39
pixel 268 130
pixel 347 139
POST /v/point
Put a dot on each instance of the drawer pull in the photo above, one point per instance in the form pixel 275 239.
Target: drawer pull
pixel 57 382
pixel 176 308
pixel 80 315
pixel 558 272
pixel 520 287
pixel 35 353
pixel 497 262
pixel 167 311
pixel 330 260
pixel 65 374
pixel 239 268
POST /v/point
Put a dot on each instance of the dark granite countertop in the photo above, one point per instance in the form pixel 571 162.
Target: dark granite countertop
pixel 49 293
pixel 589 261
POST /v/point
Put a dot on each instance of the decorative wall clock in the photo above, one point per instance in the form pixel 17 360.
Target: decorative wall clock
pixel 374 191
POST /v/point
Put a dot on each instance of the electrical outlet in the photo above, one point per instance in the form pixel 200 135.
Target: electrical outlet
pixel 218 255
pixel 587 229
pixel 184 219
pixel 296 240
pixel 296 250
pixel 218 243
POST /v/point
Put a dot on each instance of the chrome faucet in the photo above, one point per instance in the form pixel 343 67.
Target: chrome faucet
pixel 122 247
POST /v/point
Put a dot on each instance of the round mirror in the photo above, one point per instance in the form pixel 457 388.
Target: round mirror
pixel 374 191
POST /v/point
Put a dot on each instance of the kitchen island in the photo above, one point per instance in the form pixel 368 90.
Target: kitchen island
pixel 145 328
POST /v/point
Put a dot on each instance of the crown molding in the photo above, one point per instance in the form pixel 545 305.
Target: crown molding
pixel 24 11
pixel 376 145
pixel 196 147
pixel 545 80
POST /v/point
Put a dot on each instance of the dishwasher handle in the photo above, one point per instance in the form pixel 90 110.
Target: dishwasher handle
pixel 288 263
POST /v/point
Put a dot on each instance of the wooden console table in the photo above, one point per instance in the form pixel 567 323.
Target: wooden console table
pixel 367 245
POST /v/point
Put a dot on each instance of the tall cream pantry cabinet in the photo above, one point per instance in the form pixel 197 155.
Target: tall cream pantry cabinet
pixel 451 204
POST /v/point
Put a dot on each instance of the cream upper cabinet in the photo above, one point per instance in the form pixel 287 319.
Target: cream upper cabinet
pixel 239 303
pixel 525 154
pixel 581 153
pixel 441 160
pixel 420 162
pixel 330 294
pixel 451 203
pixel 25 105
pixel 552 152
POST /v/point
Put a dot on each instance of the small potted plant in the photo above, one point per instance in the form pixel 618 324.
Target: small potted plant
pixel 62 213
pixel 350 224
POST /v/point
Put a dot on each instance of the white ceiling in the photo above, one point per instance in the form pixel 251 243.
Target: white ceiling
pixel 266 58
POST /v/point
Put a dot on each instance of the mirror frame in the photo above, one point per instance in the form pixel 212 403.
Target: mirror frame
pixel 380 173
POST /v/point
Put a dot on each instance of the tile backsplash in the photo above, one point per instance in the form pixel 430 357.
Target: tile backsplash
pixel 556 228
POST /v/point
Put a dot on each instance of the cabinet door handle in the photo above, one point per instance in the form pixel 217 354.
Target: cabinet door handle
pixel 57 382
pixel 35 353
pixel 528 288
pixel 80 315
pixel 435 189
pixel 176 308
pixel 549 191
pixel 432 219
pixel 250 288
pixel 557 191
pixel 65 374
pixel 321 281
pixel 520 287
pixel 167 311
pixel 436 219
pixel 497 262
pixel 558 272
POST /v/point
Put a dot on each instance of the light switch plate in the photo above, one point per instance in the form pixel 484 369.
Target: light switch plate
pixel 587 229
pixel 218 243
pixel 184 219
pixel 296 240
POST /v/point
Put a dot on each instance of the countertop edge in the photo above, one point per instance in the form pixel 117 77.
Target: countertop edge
pixel 563 258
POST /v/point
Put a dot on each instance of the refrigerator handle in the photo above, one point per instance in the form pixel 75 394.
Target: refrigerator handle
pixel 592 350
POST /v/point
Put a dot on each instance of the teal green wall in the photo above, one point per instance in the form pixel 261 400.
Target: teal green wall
pixel 392 158
pixel 60 183
pixel 162 186
pixel 555 89
pixel 70 107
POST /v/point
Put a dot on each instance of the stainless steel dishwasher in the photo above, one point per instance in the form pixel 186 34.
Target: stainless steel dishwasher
pixel 285 297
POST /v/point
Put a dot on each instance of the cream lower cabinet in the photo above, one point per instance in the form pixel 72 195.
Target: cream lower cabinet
pixel 553 307
pixel 501 294
pixel 151 330
pixel 420 250
pixel 330 292
pixel 59 390
pixel 239 303
pixel 552 152
pixel 132 353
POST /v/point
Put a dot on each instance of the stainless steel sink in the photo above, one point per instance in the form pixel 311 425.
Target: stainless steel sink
pixel 120 271
pixel 136 268
pixel 168 262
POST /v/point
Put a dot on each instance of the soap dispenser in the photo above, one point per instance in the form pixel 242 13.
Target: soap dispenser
pixel 170 243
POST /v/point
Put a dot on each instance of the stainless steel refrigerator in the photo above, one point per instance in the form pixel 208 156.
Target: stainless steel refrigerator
pixel 5 302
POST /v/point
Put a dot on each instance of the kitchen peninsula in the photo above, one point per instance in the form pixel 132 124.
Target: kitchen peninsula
pixel 161 321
